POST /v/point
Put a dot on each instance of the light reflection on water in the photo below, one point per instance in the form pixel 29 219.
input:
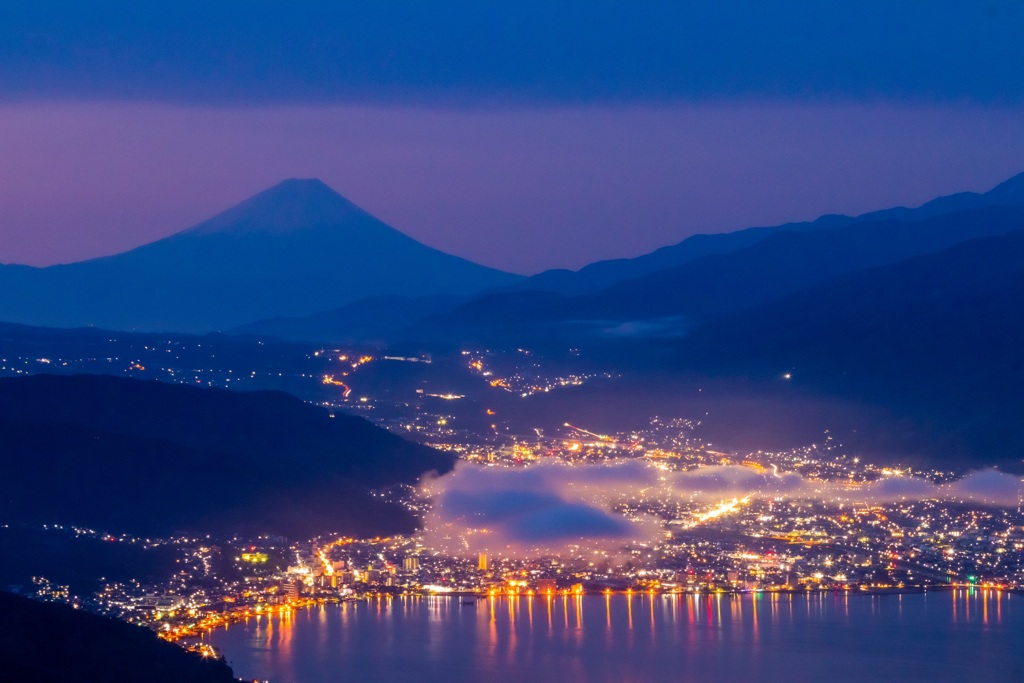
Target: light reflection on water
pixel 939 636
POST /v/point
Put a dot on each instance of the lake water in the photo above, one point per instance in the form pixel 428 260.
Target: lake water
pixel 956 636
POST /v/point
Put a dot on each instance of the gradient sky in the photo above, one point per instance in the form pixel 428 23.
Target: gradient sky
pixel 522 135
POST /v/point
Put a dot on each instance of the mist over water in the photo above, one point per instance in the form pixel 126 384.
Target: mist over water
pixel 946 635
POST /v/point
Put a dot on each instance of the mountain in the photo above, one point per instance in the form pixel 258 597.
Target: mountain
pixel 82 562
pixel 672 289
pixel 787 262
pixel 149 457
pixel 602 274
pixel 674 300
pixel 54 643
pixel 293 250
pixel 956 312
pixel 937 339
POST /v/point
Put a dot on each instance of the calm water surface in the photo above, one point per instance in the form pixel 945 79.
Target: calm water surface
pixel 939 636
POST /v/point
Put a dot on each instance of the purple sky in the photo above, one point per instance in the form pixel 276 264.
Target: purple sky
pixel 522 188
pixel 524 135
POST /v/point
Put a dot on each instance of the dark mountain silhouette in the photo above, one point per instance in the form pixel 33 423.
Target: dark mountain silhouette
pixel 149 457
pixel 293 250
pixel 674 288
pixel 54 643
pixel 82 562
pixel 938 339
pixel 675 300
pixel 787 262
pixel 603 274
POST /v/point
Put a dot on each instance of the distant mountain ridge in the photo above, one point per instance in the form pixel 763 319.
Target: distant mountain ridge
pixel 675 300
pixel 601 274
pixel 786 262
pixel 672 289
pixel 295 249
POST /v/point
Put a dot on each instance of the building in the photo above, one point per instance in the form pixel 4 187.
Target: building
pixel 291 589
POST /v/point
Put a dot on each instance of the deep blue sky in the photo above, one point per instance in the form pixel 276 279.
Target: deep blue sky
pixel 566 52
pixel 522 134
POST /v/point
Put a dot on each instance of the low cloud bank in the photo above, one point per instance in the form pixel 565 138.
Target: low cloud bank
pixel 538 510
pixel 551 507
